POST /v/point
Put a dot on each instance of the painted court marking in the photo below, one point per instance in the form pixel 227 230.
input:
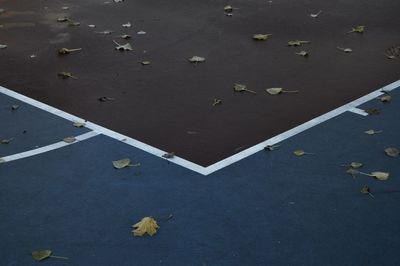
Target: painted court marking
pixel 47 148
pixel 97 129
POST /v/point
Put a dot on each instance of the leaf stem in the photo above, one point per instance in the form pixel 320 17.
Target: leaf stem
pixel 58 257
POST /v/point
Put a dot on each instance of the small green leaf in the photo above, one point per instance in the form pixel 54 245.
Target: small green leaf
pixel 357 29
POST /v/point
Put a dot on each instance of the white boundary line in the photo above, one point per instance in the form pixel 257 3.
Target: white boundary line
pixel 221 164
pixel 47 148
pixel 358 111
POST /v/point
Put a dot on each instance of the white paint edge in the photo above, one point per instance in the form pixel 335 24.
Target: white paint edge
pixel 47 148
pixel 221 164
pixel 358 111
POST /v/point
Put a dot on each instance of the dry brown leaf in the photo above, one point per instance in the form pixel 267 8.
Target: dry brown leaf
pixel 146 225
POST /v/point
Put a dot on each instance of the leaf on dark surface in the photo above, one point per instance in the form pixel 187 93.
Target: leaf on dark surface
pixel 301 152
pixel 127 25
pixel 14 107
pixel 372 132
pixel 64 51
pixel 303 53
pixel 197 59
pixel 3 46
pixel 217 101
pixel 392 152
pixel 386 98
pixel 62 19
pixel 40 255
pixel 271 147
pixel 275 91
pixel 105 99
pixel 372 111
pixel 145 63
pixel 346 50
pixel 123 47
pixel 78 124
pixel 315 15
pixel 6 141
pixel 242 88
pixel 66 75
pixel 393 52
pixel 261 37
pixel 380 175
pixel 146 225
pixel 72 23
pixel 366 190
pixel 297 43
pixel 169 155
pixel 357 29
pixel 125 36
pixel 119 164
pixel 104 32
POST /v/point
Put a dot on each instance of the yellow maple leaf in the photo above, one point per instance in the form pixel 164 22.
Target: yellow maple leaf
pixel 146 225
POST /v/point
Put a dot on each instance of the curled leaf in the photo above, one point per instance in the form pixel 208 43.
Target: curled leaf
pixel 297 43
pixel 119 164
pixel 197 59
pixel 392 152
pixel 380 175
pixel 123 47
pixel 146 225
pixel 261 37
pixel 316 14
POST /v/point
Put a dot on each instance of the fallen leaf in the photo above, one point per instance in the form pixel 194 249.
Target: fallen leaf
pixel 69 139
pixel 346 50
pixel 356 165
pixel 3 46
pixel 275 91
pixel 372 132
pixel 105 99
pixel 393 52
pixel 66 75
pixel 392 152
pixel 6 141
pixel 127 25
pixel 197 59
pixel 118 1
pixel 123 47
pixel 271 147
pixel 217 101
pixel 316 14
pixel 14 107
pixel 119 164
pixel 44 254
pixel 2 160
pixel 352 172
pixel 242 88
pixel 146 225
pixel 261 37
pixel 91 26
pixel 72 23
pixel 62 19
pixel 303 53
pixel 366 190
pixel 169 155
pixel 65 8
pixel 297 43
pixel 64 51
pixel 141 32
pixel 372 111
pixel 145 63
pixel 380 175
pixel 357 29
pixel 228 9
pixel 386 98
pixel 104 32
pixel 125 36
pixel 78 124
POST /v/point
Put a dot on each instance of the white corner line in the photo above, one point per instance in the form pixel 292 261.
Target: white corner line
pixel 358 111
pixel 47 148
pixel 190 165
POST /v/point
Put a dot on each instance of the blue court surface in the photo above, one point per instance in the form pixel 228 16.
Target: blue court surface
pixel 268 208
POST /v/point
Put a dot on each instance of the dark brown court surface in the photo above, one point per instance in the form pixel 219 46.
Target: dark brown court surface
pixel 169 103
